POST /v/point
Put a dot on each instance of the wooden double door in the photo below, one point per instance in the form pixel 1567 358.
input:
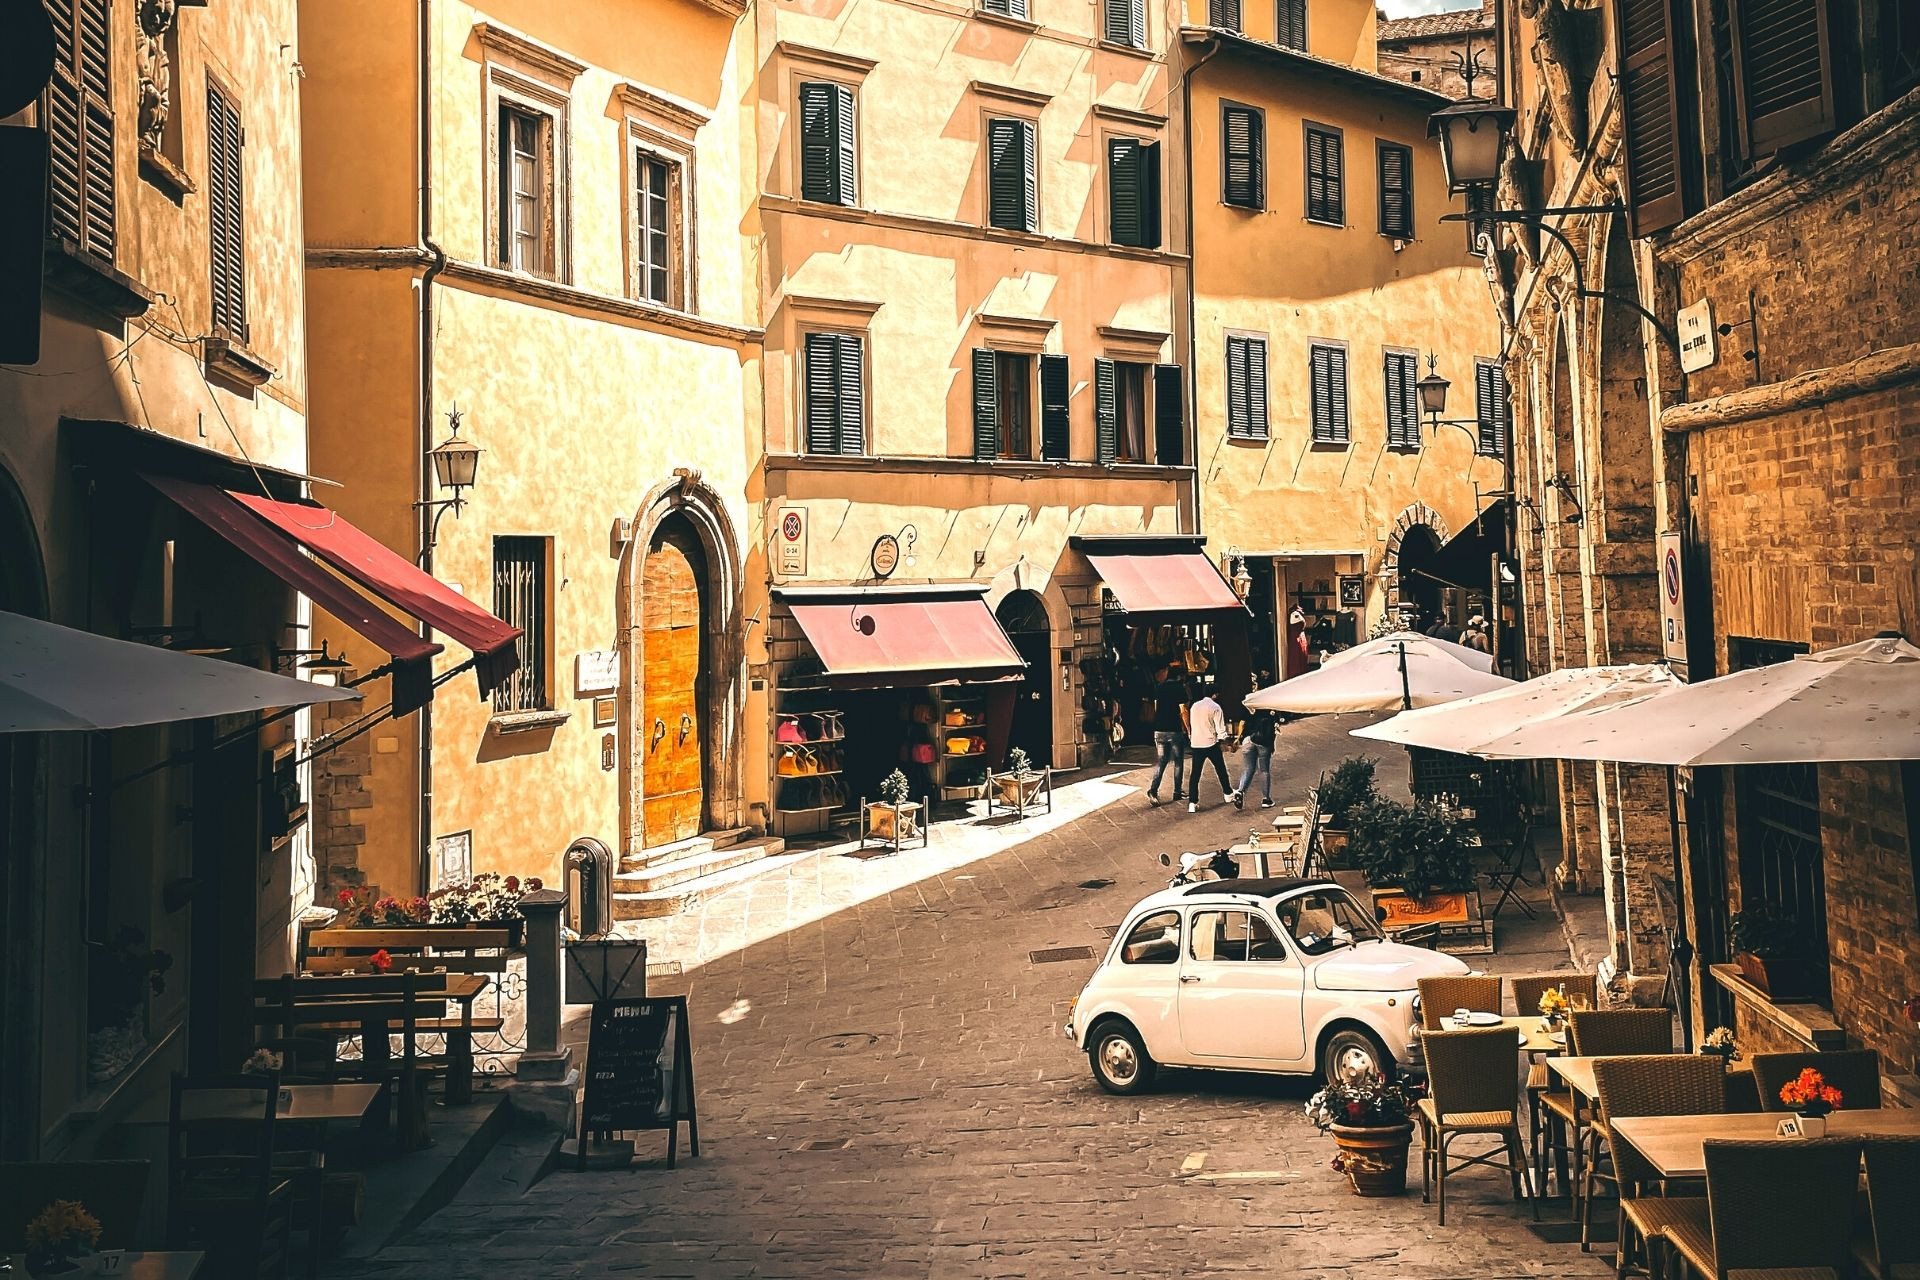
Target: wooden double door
pixel 673 696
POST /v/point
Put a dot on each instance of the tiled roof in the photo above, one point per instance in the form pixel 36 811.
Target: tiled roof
pixel 1431 26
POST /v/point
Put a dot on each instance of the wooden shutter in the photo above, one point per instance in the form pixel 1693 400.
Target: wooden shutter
pixel 1224 14
pixel 1239 419
pixel 851 400
pixel 1490 408
pixel 1147 165
pixel 1106 435
pixel 226 214
pixel 986 405
pixel 81 206
pixel 1326 186
pixel 1243 131
pixel 1329 369
pixel 1010 8
pixel 1650 97
pixel 817 165
pixel 1257 388
pixel 1123 191
pixel 1782 72
pixel 1056 390
pixel 1403 409
pixel 1137 20
pixel 1005 208
pixel 822 394
pixel 1169 415
pixel 1396 190
pixel 1123 21
pixel 1290 24
pixel 847 189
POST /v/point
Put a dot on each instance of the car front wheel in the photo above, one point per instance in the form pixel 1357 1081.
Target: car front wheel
pixel 1120 1062
pixel 1351 1051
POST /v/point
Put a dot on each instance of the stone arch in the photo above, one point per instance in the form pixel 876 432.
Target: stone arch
pixel 1419 515
pixel 1024 576
pixel 690 498
pixel 23 787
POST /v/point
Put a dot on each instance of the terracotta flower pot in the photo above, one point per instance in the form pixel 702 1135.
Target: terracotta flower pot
pixel 1779 979
pixel 1375 1158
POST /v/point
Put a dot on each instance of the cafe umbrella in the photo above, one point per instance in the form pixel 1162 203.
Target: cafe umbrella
pixel 1464 725
pixel 1396 673
pixel 1458 652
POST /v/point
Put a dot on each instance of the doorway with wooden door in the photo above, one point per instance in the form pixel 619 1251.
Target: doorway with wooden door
pixel 1023 616
pixel 674 684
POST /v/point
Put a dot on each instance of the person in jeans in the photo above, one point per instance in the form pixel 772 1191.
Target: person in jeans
pixel 1169 732
pixel 1206 726
pixel 1257 757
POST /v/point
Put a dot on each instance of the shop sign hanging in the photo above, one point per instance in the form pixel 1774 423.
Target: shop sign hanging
pixel 1353 591
pixel 1696 336
pixel 885 557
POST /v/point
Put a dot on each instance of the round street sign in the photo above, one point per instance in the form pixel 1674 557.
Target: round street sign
pixel 790 526
pixel 886 555
pixel 1670 576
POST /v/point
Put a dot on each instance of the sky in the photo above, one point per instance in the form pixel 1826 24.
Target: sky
pixel 1408 8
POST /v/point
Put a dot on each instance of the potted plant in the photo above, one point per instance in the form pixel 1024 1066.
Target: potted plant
pixel 58 1234
pixel 1812 1097
pixel 1371 1120
pixel 1766 946
pixel 1554 1006
pixel 1415 859
pixel 1344 788
pixel 1720 1044
pixel 1017 787
pixel 893 816
pixel 120 976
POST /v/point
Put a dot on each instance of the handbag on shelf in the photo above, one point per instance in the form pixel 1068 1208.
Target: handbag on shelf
pixel 922 753
pixel 788 730
pixel 831 725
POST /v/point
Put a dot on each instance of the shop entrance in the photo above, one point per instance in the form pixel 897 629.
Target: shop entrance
pixel 1023 616
pixel 1420 590
pixel 674 682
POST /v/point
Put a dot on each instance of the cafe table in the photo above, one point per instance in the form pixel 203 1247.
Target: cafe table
pixel 1676 1145
pixel 176 1264
pixel 1530 1033
pixel 299 1103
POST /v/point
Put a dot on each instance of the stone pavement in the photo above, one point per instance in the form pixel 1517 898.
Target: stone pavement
pixel 884 1092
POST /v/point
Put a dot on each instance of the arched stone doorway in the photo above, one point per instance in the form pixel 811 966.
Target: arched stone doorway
pixel 1419 588
pixel 674 684
pixel 1023 616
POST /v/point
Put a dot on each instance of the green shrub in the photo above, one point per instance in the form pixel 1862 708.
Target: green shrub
pixel 1346 787
pixel 1416 848
pixel 1765 931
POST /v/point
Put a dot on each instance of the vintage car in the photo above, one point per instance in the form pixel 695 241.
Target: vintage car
pixel 1282 975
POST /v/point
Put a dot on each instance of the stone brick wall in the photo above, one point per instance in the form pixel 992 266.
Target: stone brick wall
pixel 342 798
pixel 1873 924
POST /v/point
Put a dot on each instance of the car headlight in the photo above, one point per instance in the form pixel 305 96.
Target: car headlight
pixel 1416 1006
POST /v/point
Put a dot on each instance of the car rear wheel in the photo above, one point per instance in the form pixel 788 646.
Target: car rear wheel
pixel 1353 1051
pixel 1119 1059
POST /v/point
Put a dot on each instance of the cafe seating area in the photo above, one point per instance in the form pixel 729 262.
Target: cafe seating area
pixel 1781 1166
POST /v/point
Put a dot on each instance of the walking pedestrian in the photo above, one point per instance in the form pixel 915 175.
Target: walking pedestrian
pixel 1257 757
pixel 1206 726
pixel 1475 636
pixel 1169 731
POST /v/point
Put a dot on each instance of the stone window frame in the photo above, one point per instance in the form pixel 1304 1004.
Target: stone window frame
pixel 809 315
pixel 800 64
pixel 1120 124
pixel 664 130
pixel 528 76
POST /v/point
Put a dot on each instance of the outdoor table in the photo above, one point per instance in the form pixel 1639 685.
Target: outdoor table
pixel 1530 1025
pixel 305 1103
pixel 463 988
pixel 1277 848
pixel 1675 1145
pixel 176 1264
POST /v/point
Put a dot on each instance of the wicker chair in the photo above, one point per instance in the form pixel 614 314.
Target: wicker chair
pixel 1472 1090
pixel 1775 1211
pixel 1854 1072
pixel 1892 1250
pixel 1439 997
pixel 1583 989
pixel 1663 1085
pixel 1546 1127
pixel 1594 1033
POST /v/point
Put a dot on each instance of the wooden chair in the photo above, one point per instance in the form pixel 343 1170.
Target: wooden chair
pixel 1472 1091
pixel 223 1194
pixel 1527 988
pixel 1607 1032
pixel 1892 1245
pixel 113 1191
pixel 1854 1072
pixel 1664 1085
pixel 1775 1210
pixel 1439 997
pixel 1549 1122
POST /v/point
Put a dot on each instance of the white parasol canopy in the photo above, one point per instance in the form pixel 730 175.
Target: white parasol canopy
pixel 1414 641
pixel 1856 702
pixel 54 678
pixel 1465 725
pixel 1377 681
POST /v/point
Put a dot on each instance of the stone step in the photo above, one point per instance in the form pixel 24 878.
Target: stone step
pixel 672 888
pixel 692 846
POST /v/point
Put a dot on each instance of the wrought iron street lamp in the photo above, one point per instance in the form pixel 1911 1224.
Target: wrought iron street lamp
pixel 1473 134
pixel 456 463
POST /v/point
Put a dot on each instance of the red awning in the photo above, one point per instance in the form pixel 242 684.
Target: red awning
pixel 885 640
pixel 1179 582
pixel 273 533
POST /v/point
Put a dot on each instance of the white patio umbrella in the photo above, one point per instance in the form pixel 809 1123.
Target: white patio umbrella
pixel 1464 725
pixel 56 678
pixel 1389 677
pixel 1414 641
pixel 1856 702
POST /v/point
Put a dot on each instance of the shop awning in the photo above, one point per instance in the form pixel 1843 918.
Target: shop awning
pixel 884 639
pixel 1173 583
pixel 55 678
pixel 275 533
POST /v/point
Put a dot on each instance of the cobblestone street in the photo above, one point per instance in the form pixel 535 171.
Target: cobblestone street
pixel 885 1092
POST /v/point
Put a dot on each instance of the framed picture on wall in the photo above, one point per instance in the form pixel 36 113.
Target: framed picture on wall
pixel 1353 591
pixel 453 859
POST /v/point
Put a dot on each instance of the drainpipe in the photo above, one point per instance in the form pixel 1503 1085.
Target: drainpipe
pixel 1193 368
pixel 423 721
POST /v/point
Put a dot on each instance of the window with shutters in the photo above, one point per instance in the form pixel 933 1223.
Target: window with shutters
pixel 520 600
pixel 1130 410
pixel 226 213
pixel 1396 190
pixel 1056 395
pixel 525 189
pixel 829 161
pixel 833 393
pixel 1124 22
pixel 1327 371
pixel 1247 387
pixel 81 205
pixel 1491 410
pixel 1326 175
pixel 1005 8
pixel 1169 415
pixel 1224 14
pixel 1783 73
pixel 1649 87
pixel 1002 404
pixel 659 253
pixel 1402 371
pixel 1133 192
pixel 1290 24
pixel 1013 197
pixel 1243 156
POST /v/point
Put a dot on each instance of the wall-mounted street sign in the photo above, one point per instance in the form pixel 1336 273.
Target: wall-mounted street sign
pixel 595 671
pixel 886 555
pixel 790 542
pixel 1697 349
pixel 1673 600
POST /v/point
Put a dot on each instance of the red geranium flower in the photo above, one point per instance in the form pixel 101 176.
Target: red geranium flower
pixel 380 960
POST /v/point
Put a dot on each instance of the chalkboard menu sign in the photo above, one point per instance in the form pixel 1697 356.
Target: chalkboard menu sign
pixel 639 1071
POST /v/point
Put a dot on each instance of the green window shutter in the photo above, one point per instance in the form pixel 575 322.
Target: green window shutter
pixel 1490 409
pixel 1403 420
pixel 1123 191
pixel 1396 190
pixel 851 402
pixel 1137 20
pixel 1224 14
pixel 1030 175
pixel 1326 185
pixel 822 394
pixel 1239 420
pixel 1012 191
pixel 986 406
pixel 1650 111
pixel 1243 131
pixel 1169 415
pixel 816 142
pixel 847 188
pixel 226 214
pixel 1782 72
pixel 1257 388
pixel 1329 388
pixel 1056 389
pixel 1105 413
pixel 1291 24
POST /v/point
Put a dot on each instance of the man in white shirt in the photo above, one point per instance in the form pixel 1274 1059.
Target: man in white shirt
pixel 1206 726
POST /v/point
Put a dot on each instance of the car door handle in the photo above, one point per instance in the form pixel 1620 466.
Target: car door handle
pixel 1189 977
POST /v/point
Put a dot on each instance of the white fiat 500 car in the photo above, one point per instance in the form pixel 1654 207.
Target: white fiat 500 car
pixel 1282 975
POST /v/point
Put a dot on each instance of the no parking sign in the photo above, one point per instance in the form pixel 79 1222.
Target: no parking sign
pixel 1673 600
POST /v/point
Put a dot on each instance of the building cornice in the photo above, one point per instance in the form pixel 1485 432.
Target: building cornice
pixel 1038 326
pixel 838 308
pixel 646 103
pixel 1128 116
pixel 1318 68
pixel 962 230
pixel 1013 468
pixel 511 46
pixel 828 59
pixel 1009 93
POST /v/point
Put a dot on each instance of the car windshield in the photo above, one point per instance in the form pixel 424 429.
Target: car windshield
pixel 1325 919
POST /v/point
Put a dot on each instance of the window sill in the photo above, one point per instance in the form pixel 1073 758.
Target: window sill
pixel 1006 20
pixel 1331 446
pixel 1260 441
pixel 98 284
pixel 159 170
pixel 1015 233
pixel 1322 222
pixel 526 721
pixel 1243 208
pixel 228 358
pixel 1129 50
pixel 1810 1024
